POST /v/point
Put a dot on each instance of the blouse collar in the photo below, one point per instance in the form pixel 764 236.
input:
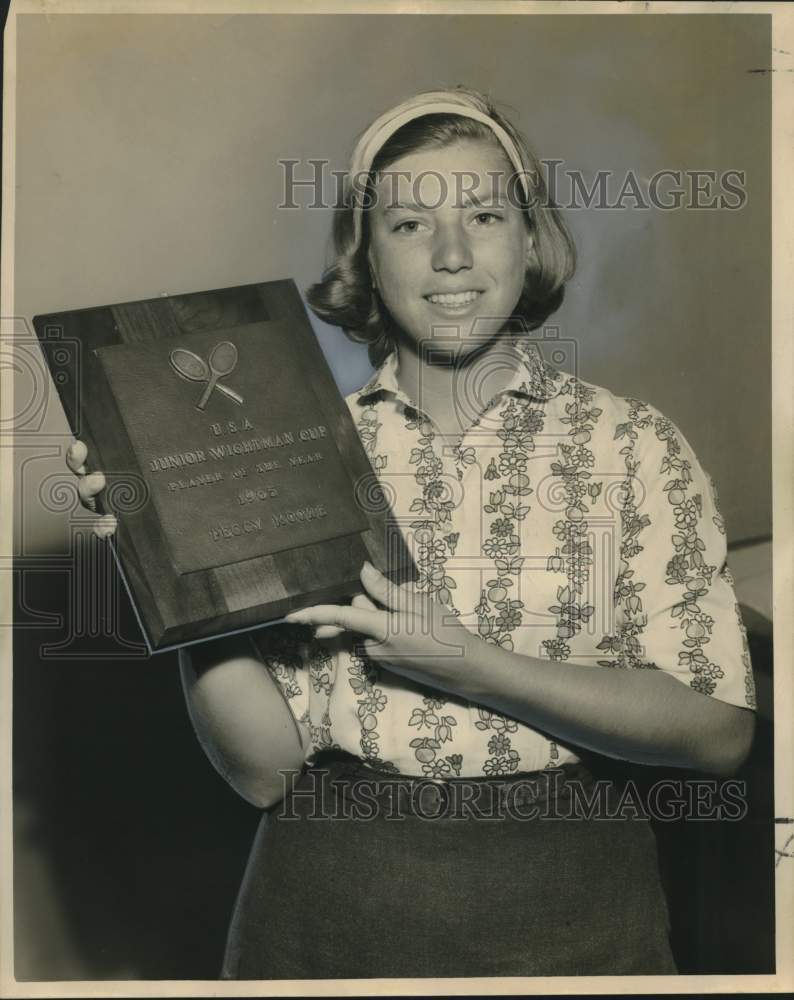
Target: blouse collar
pixel 533 378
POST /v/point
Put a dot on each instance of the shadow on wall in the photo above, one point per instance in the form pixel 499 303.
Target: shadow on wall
pixel 129 848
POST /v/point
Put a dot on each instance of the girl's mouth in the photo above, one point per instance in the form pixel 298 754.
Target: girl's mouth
pixel 454 300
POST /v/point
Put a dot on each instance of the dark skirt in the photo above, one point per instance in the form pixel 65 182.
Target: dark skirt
pixel 360 873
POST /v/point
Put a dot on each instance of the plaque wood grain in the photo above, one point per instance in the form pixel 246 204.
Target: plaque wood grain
pixel 176 608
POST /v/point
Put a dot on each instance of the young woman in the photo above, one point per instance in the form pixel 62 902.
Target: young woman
pixel 572 603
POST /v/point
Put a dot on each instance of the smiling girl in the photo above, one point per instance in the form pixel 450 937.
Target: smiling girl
pixel 572 603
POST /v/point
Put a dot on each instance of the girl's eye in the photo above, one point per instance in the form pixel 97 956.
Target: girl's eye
pixel 486 218
pixel 409 226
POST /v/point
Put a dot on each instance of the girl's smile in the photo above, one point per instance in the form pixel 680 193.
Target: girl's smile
pixel 454 302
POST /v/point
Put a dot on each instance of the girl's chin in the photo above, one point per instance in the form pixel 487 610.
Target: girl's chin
pixel 447 345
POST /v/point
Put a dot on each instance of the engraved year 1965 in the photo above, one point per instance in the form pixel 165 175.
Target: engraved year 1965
pixel 259 493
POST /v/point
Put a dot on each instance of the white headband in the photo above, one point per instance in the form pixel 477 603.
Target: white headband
pixel 436 103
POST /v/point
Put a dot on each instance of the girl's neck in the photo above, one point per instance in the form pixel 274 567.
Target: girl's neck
pixel 437 388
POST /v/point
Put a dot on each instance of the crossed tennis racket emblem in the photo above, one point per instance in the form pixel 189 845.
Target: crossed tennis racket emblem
pixel 223 361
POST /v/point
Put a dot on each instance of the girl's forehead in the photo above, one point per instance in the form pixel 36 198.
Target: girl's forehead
pixel 470 170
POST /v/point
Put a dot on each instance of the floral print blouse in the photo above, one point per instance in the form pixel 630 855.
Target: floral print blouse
pixel 569 523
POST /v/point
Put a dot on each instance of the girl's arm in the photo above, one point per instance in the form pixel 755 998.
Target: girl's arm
pixel 240 717
pixel 645 716
pixel 639 715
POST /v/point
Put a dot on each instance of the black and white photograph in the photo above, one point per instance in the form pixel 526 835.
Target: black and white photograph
pixel 397 475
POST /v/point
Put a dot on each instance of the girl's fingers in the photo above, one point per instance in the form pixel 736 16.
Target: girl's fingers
pixel 382 589
pixel 332 631
pixel 88 487
pixel 369 623
pixel 362 601
pixel 75 457
pixel 327 631
pixel 94 483
pixel 405 598
pixel 105 526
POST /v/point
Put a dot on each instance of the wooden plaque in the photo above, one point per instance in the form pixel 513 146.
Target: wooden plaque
pixel 240 485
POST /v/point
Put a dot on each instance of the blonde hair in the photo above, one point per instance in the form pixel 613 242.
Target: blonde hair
pixel 345 295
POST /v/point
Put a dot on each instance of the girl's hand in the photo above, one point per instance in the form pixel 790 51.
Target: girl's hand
pixel 405 630
pixel 88 487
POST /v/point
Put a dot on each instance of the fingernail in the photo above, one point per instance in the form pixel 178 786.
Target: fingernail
pixel 368 568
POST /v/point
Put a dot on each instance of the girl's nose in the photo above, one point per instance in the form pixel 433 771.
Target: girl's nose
pixel 451 251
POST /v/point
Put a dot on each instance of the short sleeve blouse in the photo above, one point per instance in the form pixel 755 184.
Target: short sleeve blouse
pixel 570 524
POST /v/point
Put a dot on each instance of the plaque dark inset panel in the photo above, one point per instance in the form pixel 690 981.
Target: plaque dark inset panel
pixel 245 475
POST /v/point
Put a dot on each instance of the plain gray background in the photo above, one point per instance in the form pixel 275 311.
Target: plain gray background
pixel 147 149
